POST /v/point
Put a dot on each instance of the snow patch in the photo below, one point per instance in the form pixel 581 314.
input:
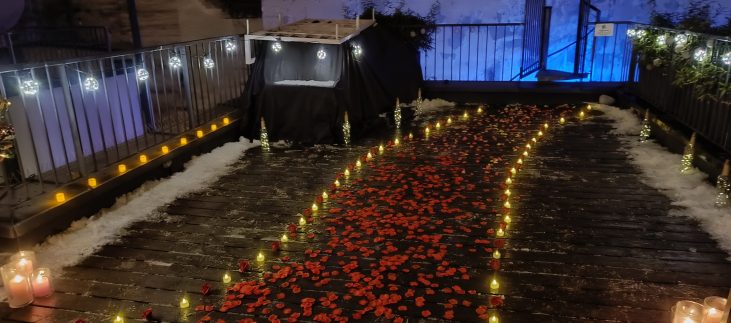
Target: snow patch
pixel 86 236
pixel 158 263
pixel 306 83
pixel 661 170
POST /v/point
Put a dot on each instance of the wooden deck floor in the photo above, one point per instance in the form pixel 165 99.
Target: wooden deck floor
pixel 589 242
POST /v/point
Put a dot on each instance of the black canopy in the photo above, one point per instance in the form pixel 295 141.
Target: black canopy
pixel 362 76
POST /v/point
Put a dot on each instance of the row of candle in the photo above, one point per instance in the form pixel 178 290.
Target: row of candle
pixel 22 283
pixel 122 168
pixel 712 310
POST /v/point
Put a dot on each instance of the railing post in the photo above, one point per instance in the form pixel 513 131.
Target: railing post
pixel 9 37
pixel 186 85
pixel 68 102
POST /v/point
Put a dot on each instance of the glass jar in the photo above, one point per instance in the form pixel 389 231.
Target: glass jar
pixel 687 312
pixel 41 282
pixel 17 286
pixel 23 261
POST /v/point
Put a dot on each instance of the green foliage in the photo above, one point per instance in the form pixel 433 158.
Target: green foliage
pixel 698 17
pixel 411 27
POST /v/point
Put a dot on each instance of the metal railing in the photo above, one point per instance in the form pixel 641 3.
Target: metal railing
pixel 473 52
pixel 74 117
pixel 47 44
pixel 710 118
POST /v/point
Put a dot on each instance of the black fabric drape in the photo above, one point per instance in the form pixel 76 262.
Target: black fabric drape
pixel 366 85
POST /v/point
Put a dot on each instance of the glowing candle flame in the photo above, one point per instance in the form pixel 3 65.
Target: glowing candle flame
pixel 562 120
pixel 303 221
pixel 143 159
pixel 122 168
pixel 494 285
pixel 183 141
pixel 226 278
pixel 214 127
pixel 500 232
pixel 324 195
pixel 184 303
pixel 226 121
pixel 507 219
pixel 60 197
pixel 92 182
pixel 284 238
pixel 199 133
pixel 260 257
pixel 314 207
pixel 165 149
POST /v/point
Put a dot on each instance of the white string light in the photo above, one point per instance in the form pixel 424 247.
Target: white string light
pixel 726 58
pixel 208 62
pixel 661 40
pixel 321 54
pixel 91 84
pixel 680 40
pixel 357 50
pixel 175 62
pixel 29 87
pixel 230 46
pixel 277 47
pixel 143 74
pixel 700 54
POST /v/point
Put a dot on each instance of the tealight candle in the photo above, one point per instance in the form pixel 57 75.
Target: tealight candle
pixel 143 159
pixel 534 140
pixel 507 204
pixel 324 195
pixel 507 219
pixel 91 182
pixel 494 319
pixel 508 181
pixel 346 172
pixel 520 161
pixel 369 155
pixel 380 149
pixel 525 153
pixel 42 283
pixel 199 133
pixel 122 168
pixel 165 149
pixel 466 115
pixel 513 171
pixel 449 120
pixel 284 238
pixel 260 257
pixel 479 109
pixel 588 107
pixel 337 183
pixel 226 278
pixel 358 163
pixel 438 125
pixel 496 254
pixel 214 127
pixel 226 121
pixel 562 120
pixel 527 146
pixel 183 141
pixel 500 232
pixel 303 221
pixel 314 207
pixel 713 308
pixel 184 302
pixel 494 285
pixel 540 133
pixel 545 125
pixel 60 197
pixel 426 130
pixel 396 142
pixel 411 136
pixel 119 319
pixel 581 115
pixel 507 192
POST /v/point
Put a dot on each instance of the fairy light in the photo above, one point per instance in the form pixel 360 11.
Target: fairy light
pixel 91 181
pixel 208 63
pixel 230 46
pixel 226 278
pixel 60 197
pixel 122 168
pixel 175 62
pixel 184 303
pixel 686 163
pixel 183 141
pixel 199 133
pixel 264 136
pixel 142 74
pixel 645 131
pixel 631 33
pixel 284 238
pixel 346 130
pixel 143 158
pixel 164 150
pixel 29 87
pixel 397 114
pixel 91 84
pixel 723 187
pixel 277 47
pixel 260 257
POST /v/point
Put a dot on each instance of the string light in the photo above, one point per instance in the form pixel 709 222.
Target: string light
pixel 60 197
pixel 277 47
pixel 640 33
pixel 230 46
pixel 260 257
pixel 321 54
pixel 346 130
pixel 264 136
pixel 686 163
pixel 631 33
pixel 397 114
pixel 142 74
pixel 175 62
pixel 723 187
pixel 700 54
pixel 91 84
pixel 646 130
pixel 91 181
pixel 29 87
pixel 208 62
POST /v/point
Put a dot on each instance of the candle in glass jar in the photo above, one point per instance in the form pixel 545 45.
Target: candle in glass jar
pixel 19 291
pixel 688 312
pixel 713 308
pixel 24 266
pixel 42 283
